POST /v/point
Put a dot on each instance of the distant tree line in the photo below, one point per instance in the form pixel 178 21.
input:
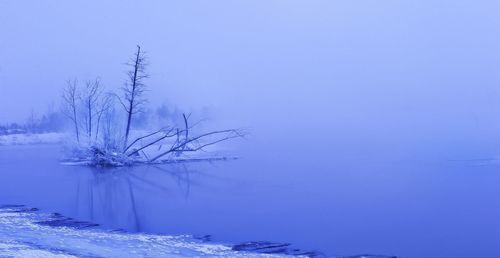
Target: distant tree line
pixel 53 120
pixel 50 121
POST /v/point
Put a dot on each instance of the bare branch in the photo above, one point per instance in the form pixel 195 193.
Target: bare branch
pixel 143 137
pixel 153 142
pixel 232 133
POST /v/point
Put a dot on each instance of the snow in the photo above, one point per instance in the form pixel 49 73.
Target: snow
pixel 23 139
pixel 29 234
pixel 211 153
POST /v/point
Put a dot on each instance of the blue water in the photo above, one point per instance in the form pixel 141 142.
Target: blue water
pixel 338 205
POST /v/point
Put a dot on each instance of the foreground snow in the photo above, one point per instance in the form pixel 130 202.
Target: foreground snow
pixel 26 233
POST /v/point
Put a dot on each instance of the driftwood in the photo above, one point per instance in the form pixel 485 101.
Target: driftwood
pixel 179 141
pixel 184 141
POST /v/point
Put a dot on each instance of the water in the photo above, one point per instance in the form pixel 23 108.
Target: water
pixel 339 205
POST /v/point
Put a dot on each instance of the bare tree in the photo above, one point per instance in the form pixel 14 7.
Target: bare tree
pixel 110 138
pixel 85 107
pixel 91 98
pixel 106 103
pixel 134 89
pixel 96 107
pixel 70 104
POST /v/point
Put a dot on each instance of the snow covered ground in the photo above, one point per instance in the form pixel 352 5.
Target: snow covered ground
pixel 22 139
pixel 209 153
pixel 29 233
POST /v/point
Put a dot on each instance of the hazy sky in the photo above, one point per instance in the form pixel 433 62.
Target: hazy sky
pixel 371 66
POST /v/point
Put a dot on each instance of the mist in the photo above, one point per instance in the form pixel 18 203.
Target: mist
pixel 343 81
pixel 372 68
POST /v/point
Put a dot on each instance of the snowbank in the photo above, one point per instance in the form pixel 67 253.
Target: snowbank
pixel 27 233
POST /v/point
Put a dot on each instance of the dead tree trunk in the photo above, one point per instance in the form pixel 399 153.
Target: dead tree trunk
pixel 134 90
pixel 89 113
pixel 132 98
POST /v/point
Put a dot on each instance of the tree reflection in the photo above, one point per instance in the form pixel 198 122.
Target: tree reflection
pixel 121 198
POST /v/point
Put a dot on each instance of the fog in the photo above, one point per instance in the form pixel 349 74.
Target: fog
pixel 382 65
pixel 346 103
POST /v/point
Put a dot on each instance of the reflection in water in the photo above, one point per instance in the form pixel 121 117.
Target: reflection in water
pixel 336 206
pixel 111 195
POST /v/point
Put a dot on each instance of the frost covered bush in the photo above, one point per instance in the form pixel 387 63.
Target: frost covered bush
pixel 96 156
pixel 104 158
